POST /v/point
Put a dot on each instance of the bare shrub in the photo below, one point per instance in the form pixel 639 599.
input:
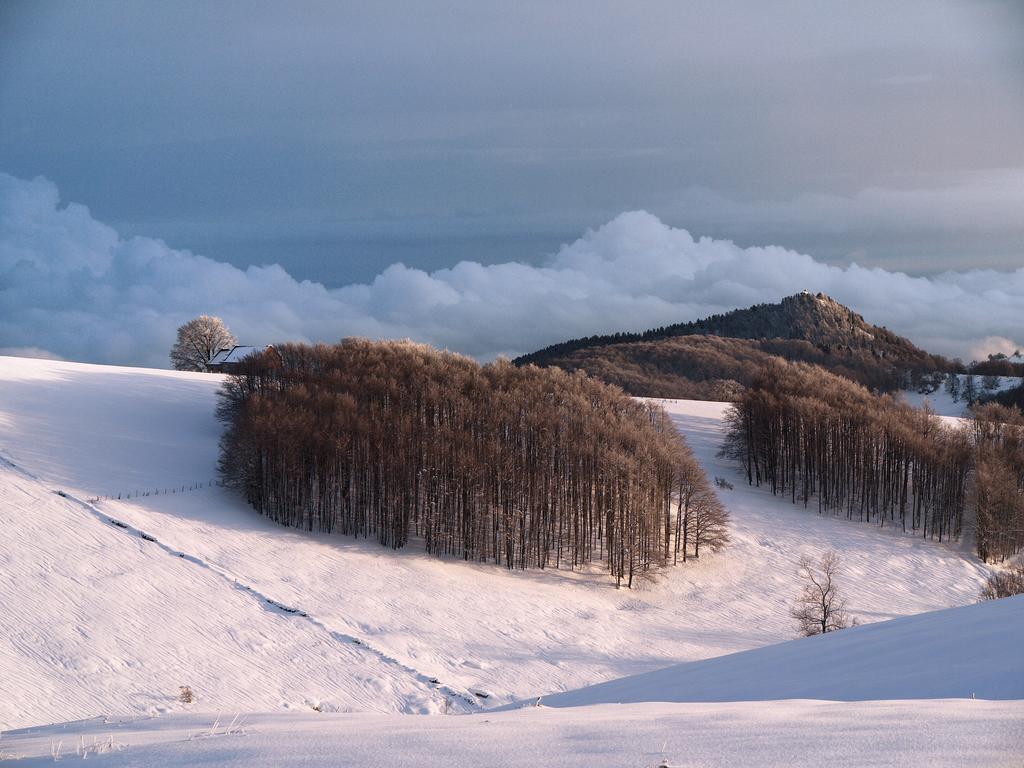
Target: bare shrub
pixel 1004 584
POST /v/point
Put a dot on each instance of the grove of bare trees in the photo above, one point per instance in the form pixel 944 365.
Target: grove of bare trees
pixel 519 466
pixel 997 493
pixel 810 435
pixel 814 436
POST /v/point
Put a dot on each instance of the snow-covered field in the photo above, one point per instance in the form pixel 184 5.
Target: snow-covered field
pixel 259 618
pixel 787 734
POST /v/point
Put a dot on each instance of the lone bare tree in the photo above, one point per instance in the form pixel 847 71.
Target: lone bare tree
pixel 819 608
pixel 198 340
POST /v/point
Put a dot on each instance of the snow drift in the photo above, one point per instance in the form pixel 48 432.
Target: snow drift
pixel 968 652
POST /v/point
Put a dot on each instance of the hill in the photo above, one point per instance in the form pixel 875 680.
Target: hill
pixel 111 622
pixel 940 689
pixel 713 358
pixel 915 657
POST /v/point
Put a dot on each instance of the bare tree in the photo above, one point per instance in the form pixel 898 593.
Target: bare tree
pixel 819 608
pixel 1004 584
pixel 198 340
pixel 969 390
pixel 953 386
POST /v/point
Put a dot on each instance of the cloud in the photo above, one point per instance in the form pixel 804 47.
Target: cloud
pixel 72 286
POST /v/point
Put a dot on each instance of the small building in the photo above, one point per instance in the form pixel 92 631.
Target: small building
pixel 227 360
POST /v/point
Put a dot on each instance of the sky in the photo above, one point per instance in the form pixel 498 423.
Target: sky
pixel 344 144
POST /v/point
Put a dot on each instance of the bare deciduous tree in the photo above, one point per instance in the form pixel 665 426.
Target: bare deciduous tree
pixel 990 383
pixel 953 386
pixel 969 390
pixel 1004 584
pixel 198 340
pixel 819 608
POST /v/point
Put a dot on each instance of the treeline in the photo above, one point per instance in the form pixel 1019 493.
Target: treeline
pixel 523 467
pixel 998 365
pixel 998 489
pixel 1012 398
pixel 810 435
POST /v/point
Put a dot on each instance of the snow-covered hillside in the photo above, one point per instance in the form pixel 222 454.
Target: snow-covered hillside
pixel 96 430
pixel 942 403
pixel 193 588
pixel 875 662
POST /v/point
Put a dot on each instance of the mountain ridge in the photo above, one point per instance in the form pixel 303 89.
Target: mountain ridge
pixel 715 356
pixel 815 318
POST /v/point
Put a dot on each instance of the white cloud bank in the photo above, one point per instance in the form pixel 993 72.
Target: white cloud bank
pixel 71 286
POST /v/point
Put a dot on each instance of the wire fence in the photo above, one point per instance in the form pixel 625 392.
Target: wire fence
pixel 165 491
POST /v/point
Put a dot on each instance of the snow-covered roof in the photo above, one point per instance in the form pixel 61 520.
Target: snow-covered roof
pixel 235 355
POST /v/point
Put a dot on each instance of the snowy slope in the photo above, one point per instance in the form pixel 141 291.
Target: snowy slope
pixel 972 651
pixel 96 430
pixel 787 734
pixel 101 427
pixel 99 619
pixel 942 404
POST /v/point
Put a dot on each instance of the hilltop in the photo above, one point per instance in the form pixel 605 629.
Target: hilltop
pixel 713 358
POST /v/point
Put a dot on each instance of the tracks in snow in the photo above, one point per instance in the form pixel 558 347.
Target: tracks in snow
pixel 469 700
pixel 340 637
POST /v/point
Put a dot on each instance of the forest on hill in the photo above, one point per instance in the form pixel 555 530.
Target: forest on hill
pixel 716 358
pixel 523 467
pixel 819 438
pixel 998 489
